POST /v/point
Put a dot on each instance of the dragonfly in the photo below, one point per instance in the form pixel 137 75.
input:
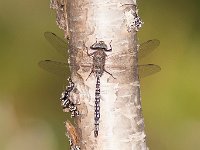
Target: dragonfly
pixel 62 69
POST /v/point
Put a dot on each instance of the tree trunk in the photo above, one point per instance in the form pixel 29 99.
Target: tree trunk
pixel 121 124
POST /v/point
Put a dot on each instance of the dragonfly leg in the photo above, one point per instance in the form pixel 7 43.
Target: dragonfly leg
pixel 90 74
pixel 87 50
pixel 109 73
pixel 109 50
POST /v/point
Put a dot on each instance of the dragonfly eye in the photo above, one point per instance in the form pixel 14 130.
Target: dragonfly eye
pixel 98 45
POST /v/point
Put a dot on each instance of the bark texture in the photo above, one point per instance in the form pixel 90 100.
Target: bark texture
pixel 121 121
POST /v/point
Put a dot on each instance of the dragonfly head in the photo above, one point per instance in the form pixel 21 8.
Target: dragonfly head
pixel 99 45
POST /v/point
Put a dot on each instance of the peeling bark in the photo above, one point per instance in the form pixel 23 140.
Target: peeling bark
pixel 121 122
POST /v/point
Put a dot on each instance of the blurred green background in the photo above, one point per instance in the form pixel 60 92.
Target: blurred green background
pixel 30 113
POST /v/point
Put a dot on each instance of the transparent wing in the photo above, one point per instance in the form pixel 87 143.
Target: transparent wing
pixel 148 69
pixel 58 68
pixel 58 43
pixel 147 47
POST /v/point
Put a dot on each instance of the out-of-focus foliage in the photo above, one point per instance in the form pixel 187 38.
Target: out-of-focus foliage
pixel 171 98
pixel 30 111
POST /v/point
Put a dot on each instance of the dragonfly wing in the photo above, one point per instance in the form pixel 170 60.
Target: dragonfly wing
pixel 58 43
pixel 147 47
pixel 148 69
pixel 58 68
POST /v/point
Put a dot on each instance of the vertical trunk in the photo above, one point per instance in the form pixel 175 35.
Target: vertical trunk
pixel 121 121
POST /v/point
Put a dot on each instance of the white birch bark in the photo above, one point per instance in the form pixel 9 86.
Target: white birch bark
pixel 121 122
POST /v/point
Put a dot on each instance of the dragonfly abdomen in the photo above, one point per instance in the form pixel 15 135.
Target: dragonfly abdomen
pixel 97 107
